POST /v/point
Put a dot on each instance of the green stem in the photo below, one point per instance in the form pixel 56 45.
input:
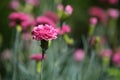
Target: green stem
pixel 15 56
pixel 41 75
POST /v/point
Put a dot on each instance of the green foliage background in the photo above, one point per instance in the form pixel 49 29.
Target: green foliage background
pixel 78 21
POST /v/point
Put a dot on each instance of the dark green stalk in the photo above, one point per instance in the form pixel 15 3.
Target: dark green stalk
pixel 44 46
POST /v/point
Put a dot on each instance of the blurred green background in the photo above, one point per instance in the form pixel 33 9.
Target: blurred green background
pixel 78 21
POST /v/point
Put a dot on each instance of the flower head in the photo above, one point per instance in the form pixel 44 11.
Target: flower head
pixel 93 21
pixel 60 7
pixel 113 1
pixel 79 55
pixel 37 57
pixel 65 29
pixel 68 9
pixel 19 18
pixel 99 13
pixel 52 16
pixel 106 53
pixel 14 4
pixel 44 20
pixel 113 13
pixel 116 58
pixel 44 32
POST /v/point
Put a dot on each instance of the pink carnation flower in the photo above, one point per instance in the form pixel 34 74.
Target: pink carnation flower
pixel 93 21
pixel 79 55
pixel 14 4
pixel 44 20
pixel 99 13
pixel 19 18
pixel 116 59
pixel 68 9
pixel 44 32
pixel 60 7
pixel 58 29
pixel 106 53
pixel 65 29
pixel 113 13
pixel 51 15
pixel 37 57
pixel 113 1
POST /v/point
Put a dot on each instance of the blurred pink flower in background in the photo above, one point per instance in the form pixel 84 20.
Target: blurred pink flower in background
pixel 93 20
pixel 113 13
pixel 99 13
pixel 44 20
pixel 6 54
pixel 44 32
pixel 68 9
pixel 14 4
pixel 26 36
pixel 18 16
pixel 28 23
pixel 106 53
pixel 60 7
pixel 51 15
pixel 79 55
pixel 113 1
pixel 37 57
pixel 58 29
pixel 22 19
pixel 116 58
pixel 65 29
pixel 32 2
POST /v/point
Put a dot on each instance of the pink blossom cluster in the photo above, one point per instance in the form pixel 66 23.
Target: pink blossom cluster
pixel 93 21
pixel 106 53
pixel 52 16
pixel 14 4
pixel 37 56
pixel 113 13
pixel 19 18
pixel 116 58
pixel 114 2
pixel 99 13
pixel 68 9
pixel 44 32
pixel 44 20
pixel 49 18
pixel 65 29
